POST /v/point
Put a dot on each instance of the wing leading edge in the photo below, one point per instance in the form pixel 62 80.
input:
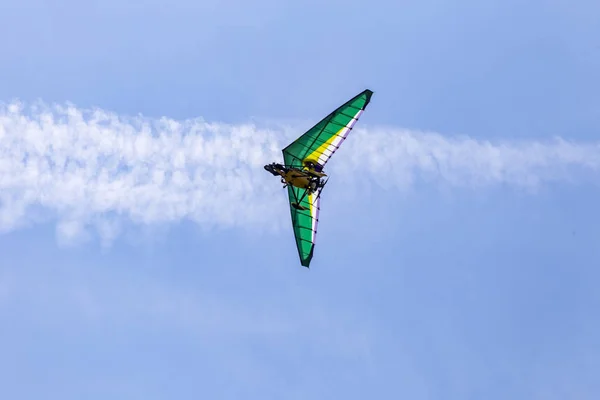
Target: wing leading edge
pixel 318 145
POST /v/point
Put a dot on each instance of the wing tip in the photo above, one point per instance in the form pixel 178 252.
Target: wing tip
pixel 305 262
pixel 368 93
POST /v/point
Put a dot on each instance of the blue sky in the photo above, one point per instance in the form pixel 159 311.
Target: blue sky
pixel 457 252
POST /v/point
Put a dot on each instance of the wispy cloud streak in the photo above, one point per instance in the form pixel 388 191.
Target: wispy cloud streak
pixel 397 158
pixel 96 167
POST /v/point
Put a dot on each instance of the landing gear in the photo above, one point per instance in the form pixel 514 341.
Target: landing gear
pixel 315 184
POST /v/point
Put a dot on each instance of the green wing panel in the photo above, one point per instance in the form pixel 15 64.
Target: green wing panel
pixel 304 221
pixel 322 140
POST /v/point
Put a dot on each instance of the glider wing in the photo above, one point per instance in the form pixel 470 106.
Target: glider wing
pixel 304 221
pixel 318 145
pixel 322 140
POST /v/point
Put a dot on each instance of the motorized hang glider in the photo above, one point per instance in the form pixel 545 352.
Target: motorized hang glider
pixel 302 172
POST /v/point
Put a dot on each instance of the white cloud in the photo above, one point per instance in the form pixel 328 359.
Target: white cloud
pixel 93 167
pixel 398 157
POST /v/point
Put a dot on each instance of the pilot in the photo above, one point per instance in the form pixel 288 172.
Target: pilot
pixel 313 166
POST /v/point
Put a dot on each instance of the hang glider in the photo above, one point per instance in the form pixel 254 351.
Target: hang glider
pixel 302 171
